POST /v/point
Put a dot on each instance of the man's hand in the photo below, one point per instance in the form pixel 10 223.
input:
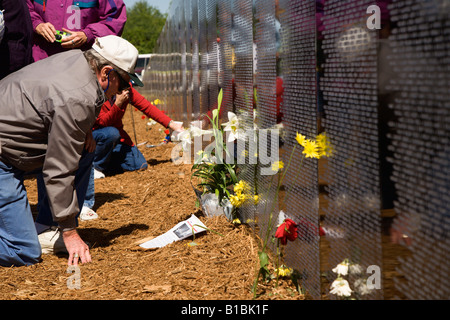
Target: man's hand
pixel 75 40
pixel 47 31
pixel 89 142
pixel 76 247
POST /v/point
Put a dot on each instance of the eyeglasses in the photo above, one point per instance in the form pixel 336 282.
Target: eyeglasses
pixel 123 85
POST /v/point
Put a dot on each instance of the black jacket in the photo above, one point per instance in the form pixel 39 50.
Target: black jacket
pixel 15 48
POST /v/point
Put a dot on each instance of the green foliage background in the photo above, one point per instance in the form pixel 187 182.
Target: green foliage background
pixel 143 26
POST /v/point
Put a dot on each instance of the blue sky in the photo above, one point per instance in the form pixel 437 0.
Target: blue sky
pixel 161 5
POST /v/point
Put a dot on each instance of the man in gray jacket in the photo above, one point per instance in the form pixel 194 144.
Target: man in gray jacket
pixel 47 110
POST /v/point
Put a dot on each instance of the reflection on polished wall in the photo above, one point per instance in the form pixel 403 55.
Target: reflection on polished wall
pixel 374 76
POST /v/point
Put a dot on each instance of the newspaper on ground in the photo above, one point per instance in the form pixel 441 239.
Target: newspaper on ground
pixel 182 230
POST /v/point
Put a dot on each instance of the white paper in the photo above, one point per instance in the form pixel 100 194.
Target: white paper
pixel 181 231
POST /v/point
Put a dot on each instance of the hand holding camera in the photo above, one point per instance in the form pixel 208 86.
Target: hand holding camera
pixel 67 38
pixel 47 31
pixel 61 35
pixel 73 39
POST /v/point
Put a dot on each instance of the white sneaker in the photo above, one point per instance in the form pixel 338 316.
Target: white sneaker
pixel 52 241
pixel 88 214
pixel 98 174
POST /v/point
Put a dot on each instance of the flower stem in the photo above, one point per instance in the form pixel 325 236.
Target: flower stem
pixel 280 181
pixel 296 177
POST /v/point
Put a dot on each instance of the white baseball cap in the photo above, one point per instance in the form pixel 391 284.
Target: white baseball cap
pixel 120 52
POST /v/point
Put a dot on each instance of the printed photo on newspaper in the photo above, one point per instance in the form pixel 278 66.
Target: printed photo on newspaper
pixel 181 231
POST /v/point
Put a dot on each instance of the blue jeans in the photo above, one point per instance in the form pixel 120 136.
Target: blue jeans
pixel 82 175
pixel 127 158
pixel 112 157
pixel 89 200
pixel 106 140
pixel 19 243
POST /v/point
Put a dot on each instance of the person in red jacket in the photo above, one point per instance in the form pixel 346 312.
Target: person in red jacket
pixel 115 151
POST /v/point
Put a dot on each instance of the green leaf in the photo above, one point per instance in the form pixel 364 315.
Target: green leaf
pixel 263 259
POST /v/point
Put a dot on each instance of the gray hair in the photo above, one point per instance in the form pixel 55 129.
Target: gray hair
pixel 97 62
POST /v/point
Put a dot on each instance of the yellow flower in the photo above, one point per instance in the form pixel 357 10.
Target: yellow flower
pixel 239 187
pixel 322 139
pixel 301 139
pixel 256 198
pixel 277 165
pixel 236 201
pixel 324 145
pixel 311 149
pixel 236 221
pixel 284 271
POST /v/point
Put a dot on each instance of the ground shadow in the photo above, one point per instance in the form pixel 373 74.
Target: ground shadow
pixel 154 162
pixel 103 197
pixel 99 237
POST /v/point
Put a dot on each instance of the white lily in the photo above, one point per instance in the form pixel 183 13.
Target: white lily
pixel 341 268
pixel 205 158
pixel 233 126
pixel 341 287
pixel 186 136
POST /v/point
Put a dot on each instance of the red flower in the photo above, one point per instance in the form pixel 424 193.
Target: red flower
pixel 286 231
pixel 142 117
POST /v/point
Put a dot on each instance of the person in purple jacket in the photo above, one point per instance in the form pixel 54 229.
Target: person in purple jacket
pixel 85 20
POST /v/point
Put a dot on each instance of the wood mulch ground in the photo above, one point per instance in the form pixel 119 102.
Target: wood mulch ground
pixel 135 205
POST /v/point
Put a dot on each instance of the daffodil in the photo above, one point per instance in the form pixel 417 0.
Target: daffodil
pixel 233 127
pixel 277 165
pixel 311 149
pixel 341 288
pixel 255 199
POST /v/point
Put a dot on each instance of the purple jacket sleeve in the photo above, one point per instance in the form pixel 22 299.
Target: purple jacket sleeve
pixel 35 17
pixel 112 18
